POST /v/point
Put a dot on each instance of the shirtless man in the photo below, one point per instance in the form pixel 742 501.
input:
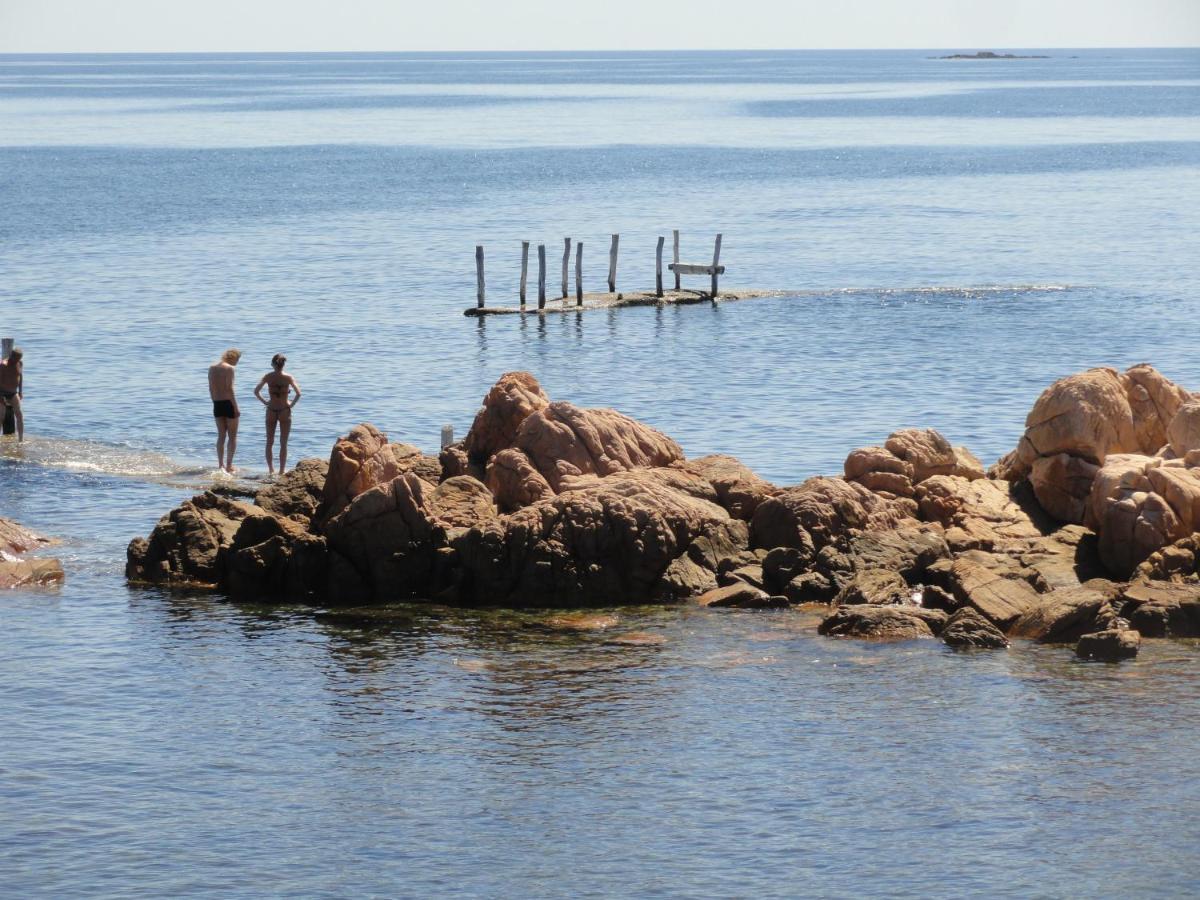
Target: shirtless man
pixel 225 406
pixel 279 409
pixel 12 389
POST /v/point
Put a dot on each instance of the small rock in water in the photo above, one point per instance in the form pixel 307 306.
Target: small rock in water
pixel 580 622
pixel 1109 646
pixel 637 639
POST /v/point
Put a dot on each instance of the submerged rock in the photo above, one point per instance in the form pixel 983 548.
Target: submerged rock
pixel 884 623
pixel 1112 645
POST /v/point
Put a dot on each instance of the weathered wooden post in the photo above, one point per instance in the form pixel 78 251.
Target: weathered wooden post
pixel 579 273
pixel 675 259
pixel 479 275
pixel 6 348
pixel 524 268
pixel 612 264
pixel 716 262
pixel 566 265
pixel 447 436
pixel 541 276
pixel 658 291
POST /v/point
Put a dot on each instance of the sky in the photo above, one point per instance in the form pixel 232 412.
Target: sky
pixel 95 26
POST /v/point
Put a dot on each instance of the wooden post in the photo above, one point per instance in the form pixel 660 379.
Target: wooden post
pixel 612 264
pixel 658 292
pixel 579 273
pixel 6 348
pixel 479 275
pixel 716 262
pixel 524 268
pixel 566 265
pixel 675 259
pixel 447 436
pixel 541 276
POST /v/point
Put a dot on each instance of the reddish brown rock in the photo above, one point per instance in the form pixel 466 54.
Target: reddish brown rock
pixel 359 462
pixel 739 490
pixel 874 586
pixel 881 623
pixel 562 440
pixel 1063 616
pixel 1163 609
pixel 1183 434
pixel 1179 562
pixel 512 399
pixel 997 587
pixel 16 539
pixel 967 465
pixel 1154 402
pixel 927 451
pixel 298 494
pixel 30 573
pixel 1062 484
pixel 411 459
pixel 738 596
pixel 1112 645
pixel 985 513
pixel 822 511
pixel 607 543
pixel 186 544
pixel 461 502
pixel 514 481
pixel 453 460
pixel 968 628
pixel 384 544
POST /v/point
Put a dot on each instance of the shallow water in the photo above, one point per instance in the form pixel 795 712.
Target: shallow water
pixel 953 235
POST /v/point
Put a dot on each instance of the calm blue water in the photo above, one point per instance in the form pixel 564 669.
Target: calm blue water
pixel 953 236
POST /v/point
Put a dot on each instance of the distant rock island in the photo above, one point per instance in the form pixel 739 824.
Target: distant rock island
pixel 987 54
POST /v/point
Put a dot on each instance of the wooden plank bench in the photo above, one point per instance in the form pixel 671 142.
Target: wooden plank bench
pixel 697 269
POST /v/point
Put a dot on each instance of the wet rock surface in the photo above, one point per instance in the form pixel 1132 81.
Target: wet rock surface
pixel 17 571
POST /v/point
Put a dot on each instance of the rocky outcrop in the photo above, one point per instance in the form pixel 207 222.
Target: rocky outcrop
pixel 186 545
pixel 19 572
pixel 359 462
pixel 823 511
pixel 1178 562
pixel 410 459
pixel 609 542
pixel 1065 615
pixel 514 481
pixel 739 490
pixel 298 494
pixel 906 459
pixel 515 397
pixel 1183 434
pixel 998 587
pixel 1163 609
pixel 874 586
pixel 563 440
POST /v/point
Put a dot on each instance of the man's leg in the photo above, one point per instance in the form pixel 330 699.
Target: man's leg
pixel 232 446
pixel 285 428
pixel 220 441
pixel 272 417
pixel 20 417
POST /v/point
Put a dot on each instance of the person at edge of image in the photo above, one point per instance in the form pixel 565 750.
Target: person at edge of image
pixel 225 406
pixel 279 385
pixel 12 389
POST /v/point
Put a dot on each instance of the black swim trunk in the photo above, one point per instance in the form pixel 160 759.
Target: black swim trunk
pixel 223 409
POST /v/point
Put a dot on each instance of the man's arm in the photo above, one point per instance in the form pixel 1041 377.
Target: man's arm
pixel 258 390
pixel 21 381
pixel 296 387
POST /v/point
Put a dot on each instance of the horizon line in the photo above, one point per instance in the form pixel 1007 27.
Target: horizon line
pixel 956 47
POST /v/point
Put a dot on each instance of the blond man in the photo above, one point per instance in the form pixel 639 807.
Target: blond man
pixel 225 406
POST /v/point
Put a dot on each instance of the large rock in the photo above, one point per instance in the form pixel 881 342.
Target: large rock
pixel 1063 616
pixel 384 544
pixel 411 459
pixel 298 494
pixel 1139 505
pixel 874 586
pixel 739 490
pixel 968 628
pixel 16 539
pixel 883 623
pixel 1183 434
pixel 563 440
pixel 1081 420
pixel 1163 609
pixel 879 470
pixel 461 502
pixel 1111 645
pixel 980 514
pixel 927 451
pixel 358 462
pixel 514 481
pixel 822 511
pixel 186 545
pixel 30 573
pixel 739 596
pixel 997 587
pixel 609 542
pixel 907 550
pixel 512 399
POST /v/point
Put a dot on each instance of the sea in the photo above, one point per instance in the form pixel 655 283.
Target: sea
pixel 948 237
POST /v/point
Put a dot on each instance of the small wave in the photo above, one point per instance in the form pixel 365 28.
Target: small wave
pixel 90 456
pixel 971 291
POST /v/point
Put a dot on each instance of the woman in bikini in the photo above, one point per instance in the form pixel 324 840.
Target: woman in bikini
pixel 279 409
